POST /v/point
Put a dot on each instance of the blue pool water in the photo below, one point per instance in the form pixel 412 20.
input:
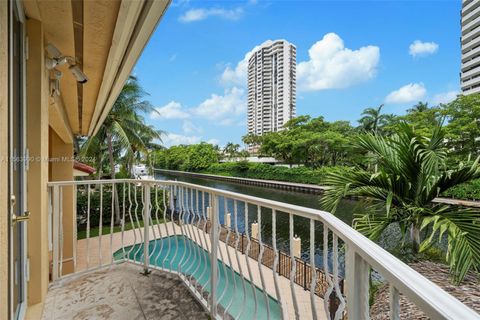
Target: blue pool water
pixel 180 254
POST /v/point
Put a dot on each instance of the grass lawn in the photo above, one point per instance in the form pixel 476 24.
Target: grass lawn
pixel 106 229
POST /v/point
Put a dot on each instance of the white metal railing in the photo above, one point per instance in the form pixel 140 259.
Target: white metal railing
pixel 236 253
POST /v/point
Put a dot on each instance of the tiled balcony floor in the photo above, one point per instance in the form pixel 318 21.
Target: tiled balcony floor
pixel 121 292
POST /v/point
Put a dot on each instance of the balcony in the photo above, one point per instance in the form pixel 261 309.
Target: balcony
pixel 121 292
pixel 209 251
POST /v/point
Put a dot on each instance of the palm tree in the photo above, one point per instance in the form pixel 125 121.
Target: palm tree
pixel 124 131
pixel 231 149
pixel 419 107
pixel 412 172
pixel 371 119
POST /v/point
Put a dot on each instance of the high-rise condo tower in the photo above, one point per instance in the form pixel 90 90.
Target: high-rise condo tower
pixel 271 87
pixel 470 72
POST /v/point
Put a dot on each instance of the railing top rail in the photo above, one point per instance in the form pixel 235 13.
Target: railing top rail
pixel 429 297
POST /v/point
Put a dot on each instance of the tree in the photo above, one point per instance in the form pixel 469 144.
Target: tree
pixel 423 118
pixel 411 173
pixel 463 129
pixel 195 157
pixel 123 131
pixel 372 119
pixel 231 149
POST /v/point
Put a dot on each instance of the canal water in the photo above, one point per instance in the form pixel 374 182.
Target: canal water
pixel 301 225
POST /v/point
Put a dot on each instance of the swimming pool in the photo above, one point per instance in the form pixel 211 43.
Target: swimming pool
pixel 181 254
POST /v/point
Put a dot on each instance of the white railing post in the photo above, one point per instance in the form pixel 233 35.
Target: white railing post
pixel 213 255
pixel 55 229
pixel 146 228
pixel 357 282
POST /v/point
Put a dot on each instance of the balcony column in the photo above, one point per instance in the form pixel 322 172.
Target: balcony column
pixel 61 169
pixel 37 174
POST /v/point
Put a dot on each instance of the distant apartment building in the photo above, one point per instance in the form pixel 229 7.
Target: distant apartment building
pixel 470 43
pixel 271 87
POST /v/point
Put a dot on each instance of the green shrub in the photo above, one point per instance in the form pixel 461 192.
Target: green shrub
pixel 82 205
pixel 470 190
pixel 246 169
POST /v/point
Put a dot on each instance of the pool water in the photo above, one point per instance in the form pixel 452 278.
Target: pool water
pixel 179 253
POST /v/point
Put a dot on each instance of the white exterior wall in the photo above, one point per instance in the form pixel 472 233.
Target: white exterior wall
pixel 470 42
pixel 271 87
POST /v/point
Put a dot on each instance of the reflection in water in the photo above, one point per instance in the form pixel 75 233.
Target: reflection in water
pixel 301 225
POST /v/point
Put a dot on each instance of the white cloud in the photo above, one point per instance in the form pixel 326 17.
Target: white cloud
pixel 231 103
pixel 189 127
pixel 213 141
pixel 193 15
pixel 411 92
pixel 445 97
pixel 172 110
pixel 422 49
pixel 173 139
pixel 332 66
pixel 238 76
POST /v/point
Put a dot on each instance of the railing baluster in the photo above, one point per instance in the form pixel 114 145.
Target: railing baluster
pixel 357 273
pixel 191 235
pixel 182 229
pixel 75 231
pixel 194 230
pixel 151 223
pixel 137 226
pixel 165 221
pixel 130 204
pixel 235 218
pixel 88 226
pixel 56 217
pixel 227 244
pixel 208 247
pixel 201 237
pixel 275 262
pixel 260 257
pixel 100 226
pixel 61 232
pixel 222 259
pixel 123 219
pixel 160 238
pixel 146 230
pixel 175 204
pixel 213 258
pixel 112 219
pixel 247 259
pixel 313 273
pixel 327 297
pixel 293 269
pixel 338 292
pixel 394 303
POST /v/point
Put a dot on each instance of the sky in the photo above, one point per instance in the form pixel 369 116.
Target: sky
pixel 350 55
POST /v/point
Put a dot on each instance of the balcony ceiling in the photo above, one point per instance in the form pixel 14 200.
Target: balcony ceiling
pixel 106 37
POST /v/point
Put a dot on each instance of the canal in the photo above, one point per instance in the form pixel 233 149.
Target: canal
pixel 301 225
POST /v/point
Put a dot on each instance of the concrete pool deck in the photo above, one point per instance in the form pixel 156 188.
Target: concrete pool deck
pixel 110 244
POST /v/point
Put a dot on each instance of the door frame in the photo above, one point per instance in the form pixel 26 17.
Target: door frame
pixel 15 10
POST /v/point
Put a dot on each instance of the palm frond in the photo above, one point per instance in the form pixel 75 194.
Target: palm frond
pixel 463 230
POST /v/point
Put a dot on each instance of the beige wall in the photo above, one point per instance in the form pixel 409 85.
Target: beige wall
pixel 3 163
pixel 37 175
pixel 61 169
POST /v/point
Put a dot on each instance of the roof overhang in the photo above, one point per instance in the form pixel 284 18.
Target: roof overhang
pixel 81 169
pixel 106 38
